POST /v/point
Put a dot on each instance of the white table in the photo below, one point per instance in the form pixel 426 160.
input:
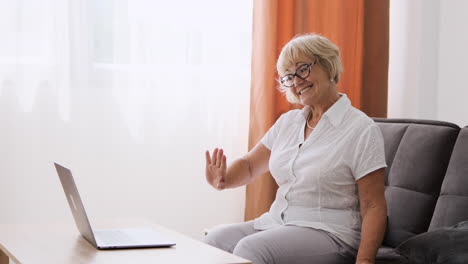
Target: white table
pixel 62 243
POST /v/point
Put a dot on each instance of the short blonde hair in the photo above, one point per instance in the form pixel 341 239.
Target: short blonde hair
pixel 312 46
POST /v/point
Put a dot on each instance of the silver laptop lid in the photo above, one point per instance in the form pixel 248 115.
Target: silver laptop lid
pixel 75 203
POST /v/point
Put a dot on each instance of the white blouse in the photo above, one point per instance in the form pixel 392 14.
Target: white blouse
pixel 317 176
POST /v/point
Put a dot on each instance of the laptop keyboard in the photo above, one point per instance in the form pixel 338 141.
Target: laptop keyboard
pixel 130 237
pixel 115 237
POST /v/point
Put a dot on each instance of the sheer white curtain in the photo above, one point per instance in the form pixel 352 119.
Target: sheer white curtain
pixel 34 49
pixel 427 60
pixel 129 94
pixel 414 59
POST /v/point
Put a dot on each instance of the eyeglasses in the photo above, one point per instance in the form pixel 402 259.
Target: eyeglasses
pixel 302 72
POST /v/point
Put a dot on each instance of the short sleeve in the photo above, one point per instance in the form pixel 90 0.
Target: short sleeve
pixel 272 134
pixel 369 154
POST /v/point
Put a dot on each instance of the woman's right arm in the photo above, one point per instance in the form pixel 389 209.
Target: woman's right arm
pixel 241 172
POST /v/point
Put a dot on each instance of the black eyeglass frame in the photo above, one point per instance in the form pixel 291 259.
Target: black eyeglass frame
pixel 291 76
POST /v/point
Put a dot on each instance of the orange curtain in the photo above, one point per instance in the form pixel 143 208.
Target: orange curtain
pixel 358 27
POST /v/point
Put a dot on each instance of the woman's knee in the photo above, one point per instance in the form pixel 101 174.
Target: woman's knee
pixel 225 237
pixel 215 237
pixel 250 248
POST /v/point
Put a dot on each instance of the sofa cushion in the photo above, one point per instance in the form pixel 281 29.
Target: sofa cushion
pixel 388 255
pixel 443 245
pixel 452 205
pixel 417 153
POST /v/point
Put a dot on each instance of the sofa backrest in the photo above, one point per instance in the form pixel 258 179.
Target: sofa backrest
pixel 452 205
pixel 417 154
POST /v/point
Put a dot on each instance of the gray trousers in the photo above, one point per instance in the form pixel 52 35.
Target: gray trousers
pixel 284 244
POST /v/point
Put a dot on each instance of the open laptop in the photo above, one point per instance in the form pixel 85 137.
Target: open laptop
pixel 109 238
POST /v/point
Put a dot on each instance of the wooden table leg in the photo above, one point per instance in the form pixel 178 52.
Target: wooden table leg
pixel 4 259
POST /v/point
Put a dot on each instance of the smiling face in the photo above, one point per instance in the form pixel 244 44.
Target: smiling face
pixel 306 49
pixel 316 88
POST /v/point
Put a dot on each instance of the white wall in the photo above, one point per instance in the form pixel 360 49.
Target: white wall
pixel 427 47
pixel 136 146
pixel 452 100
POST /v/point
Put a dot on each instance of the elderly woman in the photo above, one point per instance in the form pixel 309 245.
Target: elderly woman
pixel 328 161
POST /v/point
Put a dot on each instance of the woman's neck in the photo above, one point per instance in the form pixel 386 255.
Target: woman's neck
pixel 318 109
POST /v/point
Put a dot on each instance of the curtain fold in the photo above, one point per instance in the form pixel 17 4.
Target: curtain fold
pixel 359 28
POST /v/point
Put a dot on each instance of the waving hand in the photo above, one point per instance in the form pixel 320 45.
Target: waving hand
pixel 216 169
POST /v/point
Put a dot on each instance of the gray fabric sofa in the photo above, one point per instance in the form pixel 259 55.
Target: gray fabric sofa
pixel 426 180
